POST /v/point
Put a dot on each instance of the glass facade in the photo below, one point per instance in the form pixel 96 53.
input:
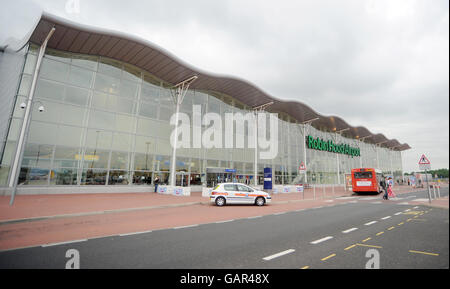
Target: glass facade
pixel 107 123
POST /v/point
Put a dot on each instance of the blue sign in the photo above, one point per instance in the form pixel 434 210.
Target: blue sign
pixel 230 170
pixel 267 178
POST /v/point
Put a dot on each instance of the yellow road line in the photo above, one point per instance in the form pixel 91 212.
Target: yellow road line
pixel 380 233
pixel 425 253
pixel 372 246
pixel 326 258
pixel 306 267
pixel 365 240
pixel 391 228
pixel 349 247
pixel 401 223
pixel 408 220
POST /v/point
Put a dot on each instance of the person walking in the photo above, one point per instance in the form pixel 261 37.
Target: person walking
pixel 156 184
pixel 383 186
pixel 391 192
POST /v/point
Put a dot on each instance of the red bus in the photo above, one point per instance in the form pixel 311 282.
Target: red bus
pixel 366 180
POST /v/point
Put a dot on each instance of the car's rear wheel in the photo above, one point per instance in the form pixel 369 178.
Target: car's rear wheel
pixel 260 201
pixel 220 201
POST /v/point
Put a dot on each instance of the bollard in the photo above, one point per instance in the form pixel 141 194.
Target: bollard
pixel 333 192
pixel 434 191
pixel 323 192
pixel 439 191
pixel 314 187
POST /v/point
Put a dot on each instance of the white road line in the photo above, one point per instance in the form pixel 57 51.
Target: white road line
pixel 415 207
pixel 62 243
pixel 379 202
pixel 280 213
pixel 420 200
pixel 399 213
pixel 278 255
pixel 220 222
pixel 407 210
pixel 254 217
pixel 182 227
pixel 349 230
pixel 134 233
pixel 370 223
pixel 385 218
pixel 321 240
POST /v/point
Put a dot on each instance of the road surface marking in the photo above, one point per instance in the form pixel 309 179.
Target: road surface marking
pixel 415 207
pixel 385 218
pixel 425 253
pixel 370 223
pixel 365 240
pixel 349 230
pixel 188 226
pixel 407 210
pixel 379 202
pixel 420 200
pixel 280 213
pixel 399 213
pixel 371 246
pixel 401 223
pixel 391 228
pixel 63 243
pixel 326 258
pixel 134 233
pixel 408 220
pixel 306 267
pixel 349 247
pixel 380 233
pixel 220 222
pixel 254 217
pixel 278 254
pixel 321 240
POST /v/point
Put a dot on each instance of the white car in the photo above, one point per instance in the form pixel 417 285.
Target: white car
pixel 235 193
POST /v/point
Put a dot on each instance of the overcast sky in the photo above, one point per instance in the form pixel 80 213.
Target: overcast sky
pixel 379 64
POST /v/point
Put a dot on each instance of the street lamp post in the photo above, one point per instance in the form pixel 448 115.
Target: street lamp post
pixel 26 120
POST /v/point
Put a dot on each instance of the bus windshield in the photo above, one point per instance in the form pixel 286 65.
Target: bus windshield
pixel 363 175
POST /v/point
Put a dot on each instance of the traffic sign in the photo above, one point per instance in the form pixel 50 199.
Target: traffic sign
pixel 302 167
pixel 424 163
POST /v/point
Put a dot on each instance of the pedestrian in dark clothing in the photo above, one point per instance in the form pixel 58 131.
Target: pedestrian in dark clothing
pixel 383 186
pixel 156 184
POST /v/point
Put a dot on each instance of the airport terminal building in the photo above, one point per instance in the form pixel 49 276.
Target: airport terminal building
pixel 107 102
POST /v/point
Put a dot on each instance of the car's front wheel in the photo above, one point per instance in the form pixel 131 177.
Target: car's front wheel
pixel 220 201
pixel 260 201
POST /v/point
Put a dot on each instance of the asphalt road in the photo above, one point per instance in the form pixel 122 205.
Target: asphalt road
pixel 334 236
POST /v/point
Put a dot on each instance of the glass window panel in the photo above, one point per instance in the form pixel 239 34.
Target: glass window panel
pixel 119 160
pixel 163 147
pixel 107 84
pixel 100 100
pixel 42 133
pixel 54 70
pixel 86 61
pixel 119 104
pixel 80 77
pixel 147 126
pixel 60 56
pixel 99 139
pixel 49 90
pixel 9 151
pixel 34 176
pixel 63 177
pixel 25 85
pixel 131 73
pixel 118 178
pixel 101 119
pixel 148 110
pixel 110 67
pixel 145 144
pixel 150 93
pixel 128 89
pixel 121 141
pixel 37 155
pixel 30 64
pixel 67 157
pixel 143 162
pixel 71 114
pixel 165 113
pixel 76 95
pixel 95 158
pixel 166 97
pixel 124 123
pixel 142 178
pixel 14 129
pixel 18 111
pixel 93 177
pixel 69 135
